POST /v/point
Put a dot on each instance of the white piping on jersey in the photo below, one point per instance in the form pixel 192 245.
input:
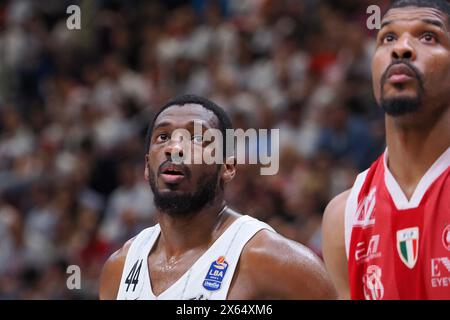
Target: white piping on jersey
pixel 351 207
pixel 398 196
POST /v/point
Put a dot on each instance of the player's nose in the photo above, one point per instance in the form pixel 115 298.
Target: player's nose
pixel 403 49
pixel 174 150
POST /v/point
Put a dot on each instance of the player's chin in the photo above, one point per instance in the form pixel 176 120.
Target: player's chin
pixel 400 93
pixel 173 188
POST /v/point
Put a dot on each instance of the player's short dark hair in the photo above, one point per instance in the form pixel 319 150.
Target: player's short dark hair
pixel 224 120
pixel 441 5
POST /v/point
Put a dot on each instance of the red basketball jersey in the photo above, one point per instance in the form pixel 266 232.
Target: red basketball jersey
pixel 399 248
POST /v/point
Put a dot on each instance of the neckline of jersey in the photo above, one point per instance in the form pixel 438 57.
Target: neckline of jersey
pixel 398 196
pixel 201 260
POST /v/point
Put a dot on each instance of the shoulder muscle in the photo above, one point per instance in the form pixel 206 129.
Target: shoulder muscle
pixel 285 269
pixel 112 273
pixel 333 240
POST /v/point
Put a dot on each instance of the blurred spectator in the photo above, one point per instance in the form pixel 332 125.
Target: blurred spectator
pixel 130 207
pixel 346 138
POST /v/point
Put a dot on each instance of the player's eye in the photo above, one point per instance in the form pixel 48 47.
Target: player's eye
pixel 162 137
pixel 197 138
pixel 388 38
pixel 429 37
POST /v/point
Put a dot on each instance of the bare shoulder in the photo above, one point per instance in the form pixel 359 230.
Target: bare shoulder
pixel 333 222
pixel 284 269
pixel 333 243
pixel 335 210
pixel 112 272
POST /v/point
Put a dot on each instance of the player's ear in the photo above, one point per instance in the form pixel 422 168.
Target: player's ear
pixel 146 171
pixel 229 169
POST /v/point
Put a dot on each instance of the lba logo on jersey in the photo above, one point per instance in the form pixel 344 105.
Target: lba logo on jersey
pixel 408 246
pixel 216 272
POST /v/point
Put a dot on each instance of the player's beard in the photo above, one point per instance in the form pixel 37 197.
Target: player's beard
pixel 181 204
pixel 396 107
pixel 400 106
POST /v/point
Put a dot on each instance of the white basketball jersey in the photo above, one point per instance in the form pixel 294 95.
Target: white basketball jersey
pixel 209 278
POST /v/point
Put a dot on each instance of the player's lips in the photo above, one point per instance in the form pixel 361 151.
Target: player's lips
pixel 171 173
pixel 400 73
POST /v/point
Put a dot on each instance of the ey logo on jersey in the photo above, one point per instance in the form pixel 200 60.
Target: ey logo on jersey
pixel 216 272
pixel 440 272
pixel 408 246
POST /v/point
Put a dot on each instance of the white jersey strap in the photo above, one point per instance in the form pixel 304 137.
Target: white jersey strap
pixel 351 207
pixel 133 274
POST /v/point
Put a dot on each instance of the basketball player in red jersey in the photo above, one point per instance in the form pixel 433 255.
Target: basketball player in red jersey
pixel 388 236
pixel 200 248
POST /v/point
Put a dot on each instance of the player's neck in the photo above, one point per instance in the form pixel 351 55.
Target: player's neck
pixel 412 150
pixel 182 233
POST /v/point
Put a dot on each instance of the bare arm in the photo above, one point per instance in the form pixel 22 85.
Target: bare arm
pixel 284 269
pixel 112 273
pixel 333 241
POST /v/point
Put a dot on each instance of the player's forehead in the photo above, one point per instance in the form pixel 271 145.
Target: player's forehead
pixel 187 114
pixel 412 15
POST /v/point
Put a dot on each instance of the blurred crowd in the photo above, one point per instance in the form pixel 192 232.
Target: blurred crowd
pixel 75 105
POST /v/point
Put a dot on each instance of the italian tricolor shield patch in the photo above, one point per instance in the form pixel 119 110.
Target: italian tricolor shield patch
pixel 408 246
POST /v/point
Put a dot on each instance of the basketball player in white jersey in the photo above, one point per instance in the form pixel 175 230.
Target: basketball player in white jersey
pixel 201 248
pixel 387 237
